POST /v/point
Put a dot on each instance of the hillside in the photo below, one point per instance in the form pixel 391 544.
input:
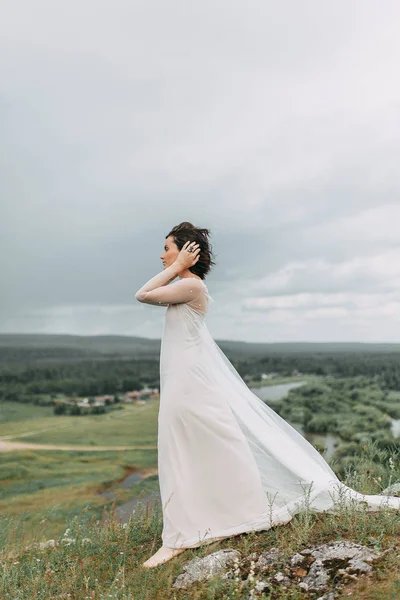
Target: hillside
pixel 98 557
pixel 57 345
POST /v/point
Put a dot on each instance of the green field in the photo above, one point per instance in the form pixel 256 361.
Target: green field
pixel 17 414
pixel 60 483
pixel 133 425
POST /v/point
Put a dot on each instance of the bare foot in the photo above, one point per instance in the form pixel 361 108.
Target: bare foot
pixel 162 555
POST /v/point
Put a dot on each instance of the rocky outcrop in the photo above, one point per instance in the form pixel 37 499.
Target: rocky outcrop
pixel 201 569
pixel 320 571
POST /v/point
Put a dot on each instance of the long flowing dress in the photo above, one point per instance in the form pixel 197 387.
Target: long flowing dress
pixel 227 463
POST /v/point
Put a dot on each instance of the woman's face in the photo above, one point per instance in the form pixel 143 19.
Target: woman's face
pixel 170 252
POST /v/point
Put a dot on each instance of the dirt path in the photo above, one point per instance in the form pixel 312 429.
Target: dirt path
pixel 6 446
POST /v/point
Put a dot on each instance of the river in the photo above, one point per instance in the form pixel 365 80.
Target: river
pixel 272 393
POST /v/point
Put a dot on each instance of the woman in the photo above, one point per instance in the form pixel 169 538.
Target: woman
pixel 227 463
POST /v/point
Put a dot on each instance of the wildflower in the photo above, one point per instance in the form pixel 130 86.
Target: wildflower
pixel 251 574
pixel 391 463
pixel 236 570
pixel 69 541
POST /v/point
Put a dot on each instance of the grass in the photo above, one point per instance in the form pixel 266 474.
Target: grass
pixel 64 482
pixel 14 417
pixel 96 558
pixel 133 424
pixel 46 493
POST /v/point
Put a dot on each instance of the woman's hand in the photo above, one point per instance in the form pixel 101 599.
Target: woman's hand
pixel 186 259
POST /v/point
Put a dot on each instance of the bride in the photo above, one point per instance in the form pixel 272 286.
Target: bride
pixel 227 463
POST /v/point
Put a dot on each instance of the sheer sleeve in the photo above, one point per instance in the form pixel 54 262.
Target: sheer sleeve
pixel 156 291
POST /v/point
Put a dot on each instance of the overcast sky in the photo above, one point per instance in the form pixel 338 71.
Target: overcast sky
pixel 274 124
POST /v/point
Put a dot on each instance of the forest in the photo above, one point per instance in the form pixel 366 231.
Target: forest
pixel 36 375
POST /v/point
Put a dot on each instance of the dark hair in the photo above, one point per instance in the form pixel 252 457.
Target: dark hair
pixel 186 231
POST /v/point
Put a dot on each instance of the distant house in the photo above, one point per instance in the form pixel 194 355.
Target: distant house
pixel 68 400
pixel 143 394
pixel 62 400
pixel 83 402
pixel 268 375
pixel 131 396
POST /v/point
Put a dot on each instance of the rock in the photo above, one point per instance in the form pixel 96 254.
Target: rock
pixel 328 596
pixel 342 557
pixel 297 559
pixel 202 569
pixel 228 575
pixel 268 559
pixel 261 586
pixel 317 578
pixel 312 569
pixel 391 490
pixel 281 578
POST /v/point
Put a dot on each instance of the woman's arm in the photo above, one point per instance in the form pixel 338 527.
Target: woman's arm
pixel 156 290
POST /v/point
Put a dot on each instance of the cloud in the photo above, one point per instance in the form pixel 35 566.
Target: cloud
pixel 275 125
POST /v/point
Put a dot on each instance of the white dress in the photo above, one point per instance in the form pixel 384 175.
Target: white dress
pixel 227 463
